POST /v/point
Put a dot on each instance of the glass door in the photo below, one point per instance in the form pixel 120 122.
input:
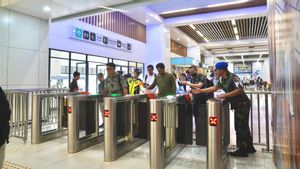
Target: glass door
pixel 79 63
pixel 96 65
pixel 121 65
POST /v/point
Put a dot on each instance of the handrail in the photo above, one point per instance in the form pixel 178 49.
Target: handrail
pixel 256 95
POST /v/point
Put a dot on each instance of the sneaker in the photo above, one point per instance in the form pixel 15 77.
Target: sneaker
pixel 251 149
pixel 239 153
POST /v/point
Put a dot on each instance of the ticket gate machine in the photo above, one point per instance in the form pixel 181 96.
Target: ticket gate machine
pixel 163 132
pixel 125 124
pixel 83 122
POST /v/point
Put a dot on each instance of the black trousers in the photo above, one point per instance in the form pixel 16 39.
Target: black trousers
pixel 200 114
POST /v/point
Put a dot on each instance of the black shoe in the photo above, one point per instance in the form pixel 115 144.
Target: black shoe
pixel 240 153
pixel 251 150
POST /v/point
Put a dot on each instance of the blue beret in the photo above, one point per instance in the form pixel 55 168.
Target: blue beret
pixel 221 65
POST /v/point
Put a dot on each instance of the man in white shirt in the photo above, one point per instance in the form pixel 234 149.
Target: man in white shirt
pixel 149 78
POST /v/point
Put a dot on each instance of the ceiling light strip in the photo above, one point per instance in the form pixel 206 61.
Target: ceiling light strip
pixel 233 22
pixel 259 57
pixel 180 10
pixel 226 59
pixel 113 9
pixel 226 4
pixel 192 26
pixel 243 59
pixel 201 31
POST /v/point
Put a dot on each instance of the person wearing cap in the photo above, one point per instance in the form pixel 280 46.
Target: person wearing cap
pixel 241 104
pixel 135 84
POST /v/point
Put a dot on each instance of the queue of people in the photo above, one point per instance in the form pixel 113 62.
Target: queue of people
pixel 226 84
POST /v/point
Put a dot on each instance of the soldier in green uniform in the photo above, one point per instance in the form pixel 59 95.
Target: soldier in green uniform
pixel 241 104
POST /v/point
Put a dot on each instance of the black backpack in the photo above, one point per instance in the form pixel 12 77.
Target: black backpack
pixel 4 118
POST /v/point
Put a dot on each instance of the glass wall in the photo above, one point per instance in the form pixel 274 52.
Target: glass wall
pixel 64 63
pixel 59 72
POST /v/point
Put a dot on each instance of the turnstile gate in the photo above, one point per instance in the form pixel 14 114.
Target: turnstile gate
pixel 164 121
pixel 218 134
pixel 47 114
pixel 125 124
pixel 83 122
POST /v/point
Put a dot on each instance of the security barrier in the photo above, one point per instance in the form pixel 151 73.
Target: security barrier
pixel 83 122
pixel 218 134
pixel 19 104
pixel 163 124
pixel 47 113
pixel 260 111
pixel 125 124
pixel 20 101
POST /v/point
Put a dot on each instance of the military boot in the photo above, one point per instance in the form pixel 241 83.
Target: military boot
pixel 251 149
pixel 241 152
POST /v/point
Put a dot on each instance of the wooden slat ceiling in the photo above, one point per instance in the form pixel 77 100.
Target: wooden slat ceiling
pixel 248 28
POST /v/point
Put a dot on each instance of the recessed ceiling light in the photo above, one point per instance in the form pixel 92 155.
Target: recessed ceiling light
pixel 147 21
pixel 233 22
pixel 192 26
pixel 178 38
pixel 46 8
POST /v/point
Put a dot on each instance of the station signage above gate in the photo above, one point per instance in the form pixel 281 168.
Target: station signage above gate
pixel 95 38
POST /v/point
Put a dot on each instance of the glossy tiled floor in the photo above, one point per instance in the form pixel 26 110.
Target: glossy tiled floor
pixel 53 155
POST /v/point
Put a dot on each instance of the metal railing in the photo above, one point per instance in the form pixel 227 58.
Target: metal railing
pixel 83 122
pixel 218 134
pixel 19 104
pixel 20 101
pixel 47 113
pixel 261 113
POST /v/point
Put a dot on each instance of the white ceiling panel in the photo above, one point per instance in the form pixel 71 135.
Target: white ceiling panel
pixel 171 5
pixel 58 7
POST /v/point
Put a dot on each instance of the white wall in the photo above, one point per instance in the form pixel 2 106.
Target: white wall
pixel 194 52
pixel 158 46
pixel 23 50
pixel 59 39
pixel 209 60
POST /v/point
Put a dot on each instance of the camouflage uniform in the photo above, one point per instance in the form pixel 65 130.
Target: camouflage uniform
pixel 241 105
pixel 115 85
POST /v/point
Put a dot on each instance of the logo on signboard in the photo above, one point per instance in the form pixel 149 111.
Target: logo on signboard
pixel 78 33
pixel 86 35
pixel 92 36
pixel 128 46
pixel 105 40
pixel 119 44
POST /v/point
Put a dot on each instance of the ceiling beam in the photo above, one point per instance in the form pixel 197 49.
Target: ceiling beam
pixel 217 16
pixel 235 43
pixel 245 60
pixel 241 53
